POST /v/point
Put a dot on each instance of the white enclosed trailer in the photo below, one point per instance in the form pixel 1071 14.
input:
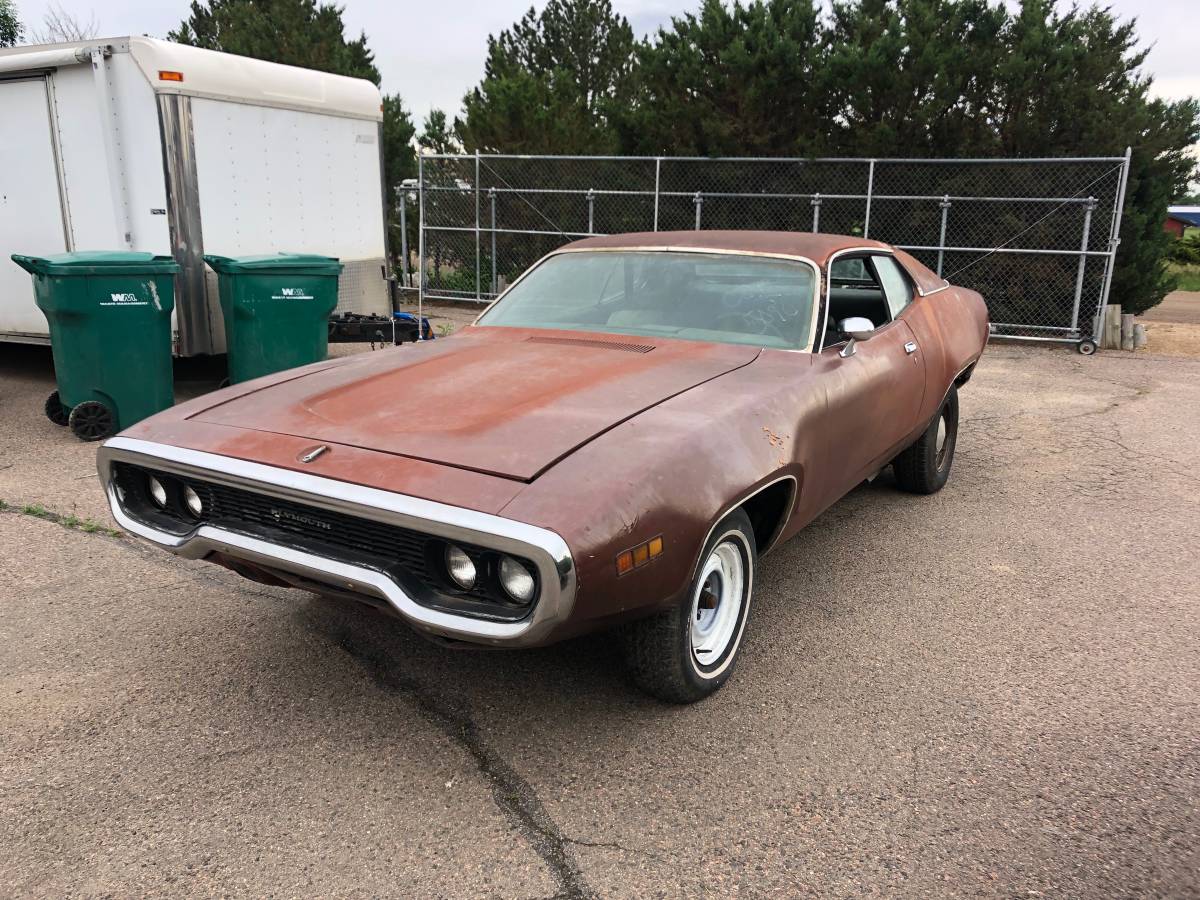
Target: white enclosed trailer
pixel 140 144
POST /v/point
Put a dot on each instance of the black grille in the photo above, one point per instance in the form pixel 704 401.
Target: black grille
pixel 389 548
pixel 322 529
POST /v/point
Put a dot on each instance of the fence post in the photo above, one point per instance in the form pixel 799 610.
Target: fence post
pixel 1083 246
pixel 816 207
pixel 420 245
pixel 657 174
pixel 495 268
pixel 478 286
pixel 1114 241
pixel 591 200
pixel 870 191
pixel 404 239
pixel 699 201
pixel 945 205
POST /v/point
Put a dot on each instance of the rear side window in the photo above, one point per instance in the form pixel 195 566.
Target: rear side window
pixel 849 270
pixel 896 286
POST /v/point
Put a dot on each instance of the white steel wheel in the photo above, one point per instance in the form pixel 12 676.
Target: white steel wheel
pixel 717 602
pixel 940 444
pixel 688 650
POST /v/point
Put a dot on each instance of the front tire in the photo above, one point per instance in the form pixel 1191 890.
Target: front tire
pixel 687 652
pixel 925 466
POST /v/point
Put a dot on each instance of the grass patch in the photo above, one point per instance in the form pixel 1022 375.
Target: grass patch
pixel 37 511
pixel 1188 277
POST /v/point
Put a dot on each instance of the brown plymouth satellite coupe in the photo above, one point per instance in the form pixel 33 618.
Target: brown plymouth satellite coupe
pixel 614 442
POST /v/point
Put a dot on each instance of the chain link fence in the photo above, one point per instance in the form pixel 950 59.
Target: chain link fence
pixel 1036 237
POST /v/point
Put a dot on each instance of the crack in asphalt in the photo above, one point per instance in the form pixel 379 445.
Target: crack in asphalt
pixel 514 796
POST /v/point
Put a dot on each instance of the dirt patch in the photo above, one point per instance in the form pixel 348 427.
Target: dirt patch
pixel 1177 306
pixel 1173 339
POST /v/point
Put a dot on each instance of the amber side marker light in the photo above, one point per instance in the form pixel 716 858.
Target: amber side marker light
pixel 167 75
pixel 636 557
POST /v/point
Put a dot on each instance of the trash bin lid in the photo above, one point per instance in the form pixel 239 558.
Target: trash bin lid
pixel 98 262
pixel 290 263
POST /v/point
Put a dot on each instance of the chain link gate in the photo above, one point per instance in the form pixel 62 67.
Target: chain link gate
pixel 1036 237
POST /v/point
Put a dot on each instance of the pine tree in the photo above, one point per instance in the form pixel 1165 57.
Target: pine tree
pixel 551 81
pixel 10 26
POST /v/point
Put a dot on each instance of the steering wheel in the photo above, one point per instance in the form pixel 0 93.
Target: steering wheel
pixel 748 324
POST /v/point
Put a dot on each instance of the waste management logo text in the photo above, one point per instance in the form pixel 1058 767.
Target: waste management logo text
pixel 292 294
pixel 124 300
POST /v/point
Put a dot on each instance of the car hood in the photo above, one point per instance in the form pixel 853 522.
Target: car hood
pixel 505 401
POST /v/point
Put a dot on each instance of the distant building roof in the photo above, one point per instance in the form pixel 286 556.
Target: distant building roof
pixel 1187 214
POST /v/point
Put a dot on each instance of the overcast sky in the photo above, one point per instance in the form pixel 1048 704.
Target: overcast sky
pixel 433 53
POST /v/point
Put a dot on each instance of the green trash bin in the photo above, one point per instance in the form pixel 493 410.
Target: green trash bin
pixel 110 332
pixel 276 310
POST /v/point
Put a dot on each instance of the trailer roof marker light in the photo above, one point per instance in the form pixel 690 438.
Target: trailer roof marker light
pixel 168 75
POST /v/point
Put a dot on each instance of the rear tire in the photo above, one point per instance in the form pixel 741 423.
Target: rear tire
pixel 925 466
pixel 687 652
pixel 55 411
pixel 92 421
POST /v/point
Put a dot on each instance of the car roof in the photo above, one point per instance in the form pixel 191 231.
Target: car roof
pixel 817 247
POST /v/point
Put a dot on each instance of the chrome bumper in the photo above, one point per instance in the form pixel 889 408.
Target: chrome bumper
pixel 544 548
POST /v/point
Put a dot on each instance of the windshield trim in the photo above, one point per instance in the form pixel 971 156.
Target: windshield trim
pixel 660 248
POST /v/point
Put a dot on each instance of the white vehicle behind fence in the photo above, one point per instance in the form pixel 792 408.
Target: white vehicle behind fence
pixel 140 144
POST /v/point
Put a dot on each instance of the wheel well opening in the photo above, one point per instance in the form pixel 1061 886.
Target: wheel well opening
pixel 768 509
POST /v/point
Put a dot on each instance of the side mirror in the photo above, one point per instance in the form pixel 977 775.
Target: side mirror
pixel 857 329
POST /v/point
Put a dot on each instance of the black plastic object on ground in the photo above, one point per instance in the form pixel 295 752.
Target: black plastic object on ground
pixel 350 328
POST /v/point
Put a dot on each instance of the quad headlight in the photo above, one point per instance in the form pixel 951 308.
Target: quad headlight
pixel 460 567
pixel 194 504
pixel 516 580
pixel 158 493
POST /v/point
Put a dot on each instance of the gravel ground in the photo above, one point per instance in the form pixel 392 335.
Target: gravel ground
pixel 988 692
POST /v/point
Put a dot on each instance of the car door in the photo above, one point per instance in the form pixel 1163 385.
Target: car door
pixel 873 395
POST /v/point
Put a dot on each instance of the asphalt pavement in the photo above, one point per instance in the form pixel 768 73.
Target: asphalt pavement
pixel 993 691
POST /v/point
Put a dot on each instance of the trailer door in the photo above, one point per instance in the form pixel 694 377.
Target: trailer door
pixel 31 218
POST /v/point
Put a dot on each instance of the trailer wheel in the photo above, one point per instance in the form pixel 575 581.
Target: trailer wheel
pixel 92 421
pixel 55 411
pixel 1086 347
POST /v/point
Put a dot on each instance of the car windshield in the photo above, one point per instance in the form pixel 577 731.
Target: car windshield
pixel 721 297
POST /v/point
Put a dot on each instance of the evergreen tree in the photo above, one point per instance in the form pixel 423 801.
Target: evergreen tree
pixel 436 136
pixel 551 81
pixel 738 80
pixel 912 77
pixel 10 26
pixel 1071 84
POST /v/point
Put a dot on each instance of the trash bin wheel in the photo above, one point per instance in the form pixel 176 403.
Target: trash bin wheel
pixel 92 421
pixel 55 411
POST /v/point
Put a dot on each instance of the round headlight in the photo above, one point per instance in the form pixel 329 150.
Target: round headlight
pixel 516 580
pixel 194 504
pixel 158 493
pixel 459 567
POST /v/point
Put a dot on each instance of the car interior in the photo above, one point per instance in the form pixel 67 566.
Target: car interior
pixel 694 296
pixel 857 289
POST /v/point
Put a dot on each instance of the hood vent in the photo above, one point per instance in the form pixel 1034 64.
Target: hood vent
pixel 602 343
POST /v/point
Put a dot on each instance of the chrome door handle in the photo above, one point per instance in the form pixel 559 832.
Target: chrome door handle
pixel 910 347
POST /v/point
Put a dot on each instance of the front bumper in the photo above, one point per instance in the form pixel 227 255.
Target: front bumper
pixel 548 551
